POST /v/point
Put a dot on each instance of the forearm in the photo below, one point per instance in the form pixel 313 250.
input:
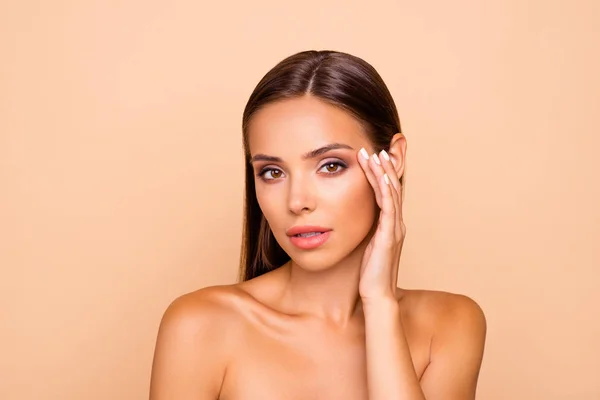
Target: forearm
pixel 390 371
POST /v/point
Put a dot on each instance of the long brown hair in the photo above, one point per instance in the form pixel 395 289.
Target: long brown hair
pixel 338 78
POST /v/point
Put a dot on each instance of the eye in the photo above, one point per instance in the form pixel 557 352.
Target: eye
pixel 270 174
pixel 333 167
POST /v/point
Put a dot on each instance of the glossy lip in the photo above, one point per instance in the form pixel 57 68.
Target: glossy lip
pixel 295 230
pixel 310 243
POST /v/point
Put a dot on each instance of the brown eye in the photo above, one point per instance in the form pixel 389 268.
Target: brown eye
pixel 332 167
pixel 269 174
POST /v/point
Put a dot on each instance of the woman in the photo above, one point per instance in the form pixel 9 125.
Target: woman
pixel 317 314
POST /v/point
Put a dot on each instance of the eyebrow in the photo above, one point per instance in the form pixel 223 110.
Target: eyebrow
pixel 311 154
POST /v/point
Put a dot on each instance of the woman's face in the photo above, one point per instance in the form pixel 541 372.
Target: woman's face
pixel 327 189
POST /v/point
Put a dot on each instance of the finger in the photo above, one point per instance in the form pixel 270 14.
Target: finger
pixel 389 222
pixel 376 164
pixel 396 188
pixel 388 210
pixel 397 210
pixel 390 169
pixel 365 162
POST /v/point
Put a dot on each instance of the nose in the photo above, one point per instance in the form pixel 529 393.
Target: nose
pixel 301 197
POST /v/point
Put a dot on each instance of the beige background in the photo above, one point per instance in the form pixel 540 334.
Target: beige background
pixel 121 173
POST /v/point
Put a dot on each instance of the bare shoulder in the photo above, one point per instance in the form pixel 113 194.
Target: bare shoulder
pixel 194 344
pixel 443 309
pixel 211 299
pixel 458 330
pixel 213 310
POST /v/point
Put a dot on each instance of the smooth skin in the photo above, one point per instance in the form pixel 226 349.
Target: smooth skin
pixel 331 323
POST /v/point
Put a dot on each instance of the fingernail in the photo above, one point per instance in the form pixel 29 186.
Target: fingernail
pixel 386 179
pixel 364 153
pixel 376 159
pixel 385 155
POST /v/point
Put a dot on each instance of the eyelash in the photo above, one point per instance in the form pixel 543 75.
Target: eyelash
pixel 343 166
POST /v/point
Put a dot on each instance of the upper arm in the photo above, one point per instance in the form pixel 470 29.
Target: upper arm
pixel 189 360
pixel 456 352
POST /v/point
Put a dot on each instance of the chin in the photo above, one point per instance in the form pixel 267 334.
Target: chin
pixel 314 261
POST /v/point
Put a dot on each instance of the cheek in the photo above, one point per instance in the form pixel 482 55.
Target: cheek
pixel 354 205
pixel 267 201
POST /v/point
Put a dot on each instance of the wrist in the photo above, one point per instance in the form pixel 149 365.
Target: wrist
pixel 371 304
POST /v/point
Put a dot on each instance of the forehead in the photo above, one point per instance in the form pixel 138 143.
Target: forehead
pixel 295 126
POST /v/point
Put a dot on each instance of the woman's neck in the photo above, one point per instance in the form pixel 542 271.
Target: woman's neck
pixel 331 294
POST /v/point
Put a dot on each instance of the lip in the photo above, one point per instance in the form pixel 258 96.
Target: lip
pixel 296 230
pixel 311 242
